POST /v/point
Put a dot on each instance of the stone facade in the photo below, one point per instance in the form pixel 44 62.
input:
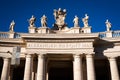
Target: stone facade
pixel 60 53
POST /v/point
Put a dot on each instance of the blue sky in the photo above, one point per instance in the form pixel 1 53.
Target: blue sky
pixel 21 10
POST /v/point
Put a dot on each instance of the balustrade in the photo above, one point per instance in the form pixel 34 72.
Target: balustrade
pixel 101 34
pixel 4 35
pixel 116 34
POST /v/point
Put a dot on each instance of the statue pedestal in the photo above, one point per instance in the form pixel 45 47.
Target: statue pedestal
pixel 86 29
pixel 108 33
pixel 11 34
pixel 43 30
pixel 32 29
pixel 76 29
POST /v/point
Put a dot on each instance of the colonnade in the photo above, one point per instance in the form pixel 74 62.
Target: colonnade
pixel 77 67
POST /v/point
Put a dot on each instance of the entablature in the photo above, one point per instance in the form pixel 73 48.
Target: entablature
pixel 59 36
pixel 61 51
pixel 9 42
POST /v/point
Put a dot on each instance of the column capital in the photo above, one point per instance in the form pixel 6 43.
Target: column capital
pixel 41 55
pixel 89 55
pixel 76 55
pixel 28 55
pixel 112 58
pixel 5 58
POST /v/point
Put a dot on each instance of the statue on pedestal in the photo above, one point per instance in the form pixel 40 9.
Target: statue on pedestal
pixel 76 21
pixel 11 28
pixel 108 25
pixel 32 21
pixel 44 21
pixel 60 18
pixel 85 20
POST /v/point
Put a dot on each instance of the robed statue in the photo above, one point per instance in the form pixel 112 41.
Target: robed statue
pixel 60 17
pixel 32 21
pixel 76 21
pixel 85 20
pixel 108 25
pixel 44 21
pixel 11 28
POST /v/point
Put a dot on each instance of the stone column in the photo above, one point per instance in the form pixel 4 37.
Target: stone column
pixel 90 67
pixel 41 67
pixel 34 72
pixel 77 67
pixel 84 70
pixel 11 72
pixel 47 69
pixel 6 69
pixel 114 69
pixel 28 67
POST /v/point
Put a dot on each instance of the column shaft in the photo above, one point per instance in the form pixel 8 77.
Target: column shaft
pixel 90 67
pixel 47 69
pixel 28 68
pixel 34 72
pixel 77 67
pixel 114 69
pixel 6 68
pixel 11 73
pixel 41 67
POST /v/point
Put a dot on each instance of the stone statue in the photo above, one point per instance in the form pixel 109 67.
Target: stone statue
pixel 85 20
pixel 12 24
pixel 108 25
pixel 32 21
pixel 76 21
pixel 60 17
pixel 44 21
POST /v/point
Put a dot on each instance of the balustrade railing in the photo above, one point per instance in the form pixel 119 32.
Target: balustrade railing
pixel 17 35
pixel 4 35
pixel 116 34
pixel 102 34
pixel 7 34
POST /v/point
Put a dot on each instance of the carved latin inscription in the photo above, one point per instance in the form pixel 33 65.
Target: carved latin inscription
pixel 59 45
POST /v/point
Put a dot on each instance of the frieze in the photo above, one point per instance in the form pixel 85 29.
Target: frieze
pixel 6 49
pixel 60 41
pixel 11 40
pixel 59 45
pixel 60 51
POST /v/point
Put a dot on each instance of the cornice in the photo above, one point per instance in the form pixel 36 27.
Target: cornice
pixel 59 36
pixel 111 39
pixel 59 40
pixel 11 45
pixel 11 40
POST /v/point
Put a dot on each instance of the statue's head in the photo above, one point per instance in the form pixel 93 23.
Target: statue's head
pixel 59 9
pixel 32 16
pixel 86 15
pixel 13 22
pixel 107 20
